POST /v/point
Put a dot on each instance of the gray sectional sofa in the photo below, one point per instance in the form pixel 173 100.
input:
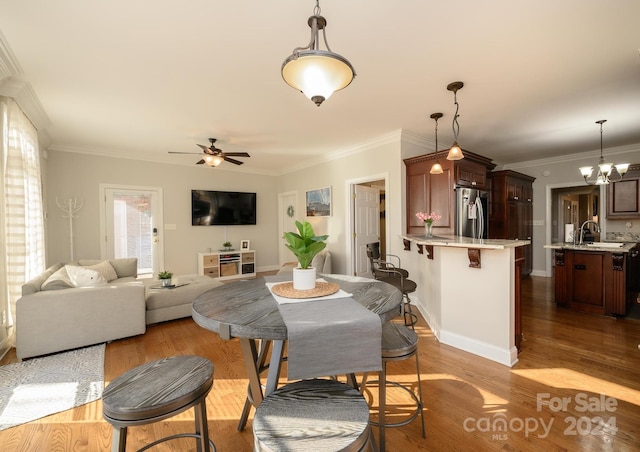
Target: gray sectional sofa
pixel 54 314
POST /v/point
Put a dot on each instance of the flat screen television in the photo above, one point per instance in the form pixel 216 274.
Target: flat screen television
pixel 222 208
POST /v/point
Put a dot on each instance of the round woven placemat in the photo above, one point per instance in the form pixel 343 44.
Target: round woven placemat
pixel 322 289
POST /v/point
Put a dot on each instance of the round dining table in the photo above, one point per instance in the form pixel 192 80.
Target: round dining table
pixel 246 310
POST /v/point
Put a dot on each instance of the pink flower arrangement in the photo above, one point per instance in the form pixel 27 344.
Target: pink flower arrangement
pixel 428 218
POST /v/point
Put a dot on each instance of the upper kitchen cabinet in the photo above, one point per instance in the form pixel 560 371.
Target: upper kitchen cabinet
pixel 511 210
pixel 435 192
pixel 623 198
pixel 471 174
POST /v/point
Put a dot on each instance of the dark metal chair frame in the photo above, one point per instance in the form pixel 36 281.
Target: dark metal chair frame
pixel 383 270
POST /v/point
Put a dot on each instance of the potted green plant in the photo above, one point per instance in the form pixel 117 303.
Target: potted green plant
pixel 227 246
pixel 305 245
pixel 165 278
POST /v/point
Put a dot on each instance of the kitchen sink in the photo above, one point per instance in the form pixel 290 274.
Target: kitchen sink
pixel 605 245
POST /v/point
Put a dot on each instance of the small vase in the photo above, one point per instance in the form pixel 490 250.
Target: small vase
pixel 304 278
pixel 427 230
pixel 166 282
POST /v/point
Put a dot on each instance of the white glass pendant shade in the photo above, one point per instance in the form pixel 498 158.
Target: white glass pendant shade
pixel 455 153
pixel 318 74
pixel 605 168
pixel 622 168
pixel 436 168
pixel 586 171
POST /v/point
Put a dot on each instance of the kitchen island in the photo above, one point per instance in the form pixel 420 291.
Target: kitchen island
pixel 599 278
pixel 470 289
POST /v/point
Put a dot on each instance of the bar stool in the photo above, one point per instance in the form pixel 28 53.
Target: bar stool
pixel 397 277
pixel 398 343
pixel 156 391
pixel 313 415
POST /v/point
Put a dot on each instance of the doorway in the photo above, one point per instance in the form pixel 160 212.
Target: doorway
pixel 367 222
pixel 571 202
pixel 131 224
pixel 571 207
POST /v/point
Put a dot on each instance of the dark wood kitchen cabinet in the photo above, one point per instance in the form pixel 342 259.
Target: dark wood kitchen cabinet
pixel 597 282
pixel 511 211
pixel 435 192
pixel 623 198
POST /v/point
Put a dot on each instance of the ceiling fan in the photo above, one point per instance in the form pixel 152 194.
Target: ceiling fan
pixel 214 156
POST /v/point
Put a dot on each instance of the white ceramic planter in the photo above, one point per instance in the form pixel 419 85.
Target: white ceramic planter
pixel 304 278
pixel 166 282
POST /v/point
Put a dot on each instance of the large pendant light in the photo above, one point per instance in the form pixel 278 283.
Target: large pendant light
pixel 437 167
pixel 455 153
pixel 605 170
pixel 317 73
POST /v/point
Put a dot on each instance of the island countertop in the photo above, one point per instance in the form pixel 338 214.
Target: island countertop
pixel 610 247
pixel 458 241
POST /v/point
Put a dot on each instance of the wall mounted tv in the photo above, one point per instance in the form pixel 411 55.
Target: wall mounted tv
pixel 222 208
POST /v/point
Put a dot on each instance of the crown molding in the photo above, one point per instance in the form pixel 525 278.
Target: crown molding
pixel 572 157
pixel 14 85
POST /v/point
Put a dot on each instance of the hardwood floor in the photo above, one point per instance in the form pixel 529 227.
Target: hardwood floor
pixel 550 400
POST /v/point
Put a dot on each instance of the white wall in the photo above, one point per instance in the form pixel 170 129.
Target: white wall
pixel 79 176
pixel 383 156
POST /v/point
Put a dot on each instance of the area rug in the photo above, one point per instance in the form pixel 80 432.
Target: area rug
pixel 39 387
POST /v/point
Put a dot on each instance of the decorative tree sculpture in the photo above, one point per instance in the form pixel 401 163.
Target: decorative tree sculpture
pixel 70 207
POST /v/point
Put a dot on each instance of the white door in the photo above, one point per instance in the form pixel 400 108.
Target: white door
pixel 288 207
pixel 367 225
pixel 132 225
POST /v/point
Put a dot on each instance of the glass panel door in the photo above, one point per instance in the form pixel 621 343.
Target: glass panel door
pixel 132 226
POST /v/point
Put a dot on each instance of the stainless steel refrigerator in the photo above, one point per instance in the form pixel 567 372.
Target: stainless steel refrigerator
pixel 472 211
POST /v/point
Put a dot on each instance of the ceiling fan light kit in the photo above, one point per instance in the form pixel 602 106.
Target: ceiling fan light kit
pixel 605 170
pixel 214 156
pixel 315 72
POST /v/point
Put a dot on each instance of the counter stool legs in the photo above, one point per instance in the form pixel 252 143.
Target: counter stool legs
pixel 409 318
pixel 398 343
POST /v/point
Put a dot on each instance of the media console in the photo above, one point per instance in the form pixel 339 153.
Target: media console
pixel 227 264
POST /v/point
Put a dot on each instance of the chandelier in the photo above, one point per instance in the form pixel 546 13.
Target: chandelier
pixel 455 153
pixel 317 73
pixel 437 167
pixel 605 170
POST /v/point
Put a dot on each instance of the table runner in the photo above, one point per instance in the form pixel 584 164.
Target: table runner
pixel 330 337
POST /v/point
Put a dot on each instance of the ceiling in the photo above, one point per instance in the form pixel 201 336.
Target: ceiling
pixel 139 79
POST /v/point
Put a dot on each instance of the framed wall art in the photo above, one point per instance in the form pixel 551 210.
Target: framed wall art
pixel 244 245
pixel 318 202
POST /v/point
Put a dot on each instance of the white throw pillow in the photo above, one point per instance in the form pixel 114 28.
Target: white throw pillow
pixel 85 277
pixel 59 280
pixel 105 269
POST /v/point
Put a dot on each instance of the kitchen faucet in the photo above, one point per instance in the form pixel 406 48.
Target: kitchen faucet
pixel 597 228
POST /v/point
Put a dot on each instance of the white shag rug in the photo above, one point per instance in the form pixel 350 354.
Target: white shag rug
pixel 39 387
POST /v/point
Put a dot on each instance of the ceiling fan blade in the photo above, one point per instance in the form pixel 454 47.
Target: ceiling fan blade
pixel 176 152
pixel 200 162
pixel 230 160
pixel 206 149
pixel 237 154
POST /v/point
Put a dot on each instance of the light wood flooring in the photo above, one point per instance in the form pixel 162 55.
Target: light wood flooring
pixel 471 404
